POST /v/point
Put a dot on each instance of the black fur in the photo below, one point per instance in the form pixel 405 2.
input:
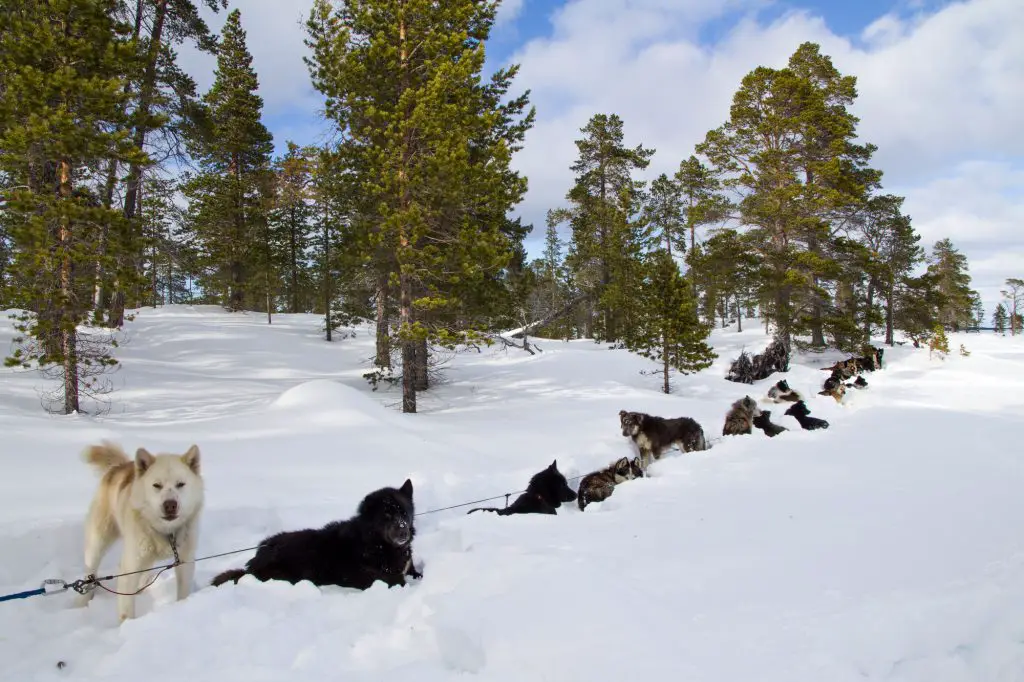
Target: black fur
pixel 546 492
pixel 860 382
pixel 763 421
pixel 803 415
pixel 654 435
pixel 834 385
pixel 375 544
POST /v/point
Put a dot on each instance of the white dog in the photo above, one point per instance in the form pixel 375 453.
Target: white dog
pixel 151 502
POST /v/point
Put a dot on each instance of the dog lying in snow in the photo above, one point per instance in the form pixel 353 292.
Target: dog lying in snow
pixel 375 544
pixel 781 393
pixel 599 485
pixel 763 421
pixel 150 503
pixel 740 417
pixel 800 412
pixel 546 491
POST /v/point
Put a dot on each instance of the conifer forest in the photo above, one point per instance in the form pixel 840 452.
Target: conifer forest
pixel 123 186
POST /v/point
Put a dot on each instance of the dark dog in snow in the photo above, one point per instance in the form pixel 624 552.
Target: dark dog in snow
pixel 599 485
pixel 740 417
pixel 800 412
pixel 654 435
pixel 546 492
pixel 859 383
pixel 834 386
pixel 782 393
pixel 375 544
pixel 764 422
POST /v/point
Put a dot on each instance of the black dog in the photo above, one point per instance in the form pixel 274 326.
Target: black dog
pixel 653 435
pixel 763 421
pixel 859 382
pixel 375 544
pixel 803 415
pixel 546 492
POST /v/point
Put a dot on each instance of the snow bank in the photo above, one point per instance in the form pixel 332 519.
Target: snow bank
pixel 886 548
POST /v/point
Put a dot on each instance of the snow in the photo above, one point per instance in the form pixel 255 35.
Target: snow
pixel 888 547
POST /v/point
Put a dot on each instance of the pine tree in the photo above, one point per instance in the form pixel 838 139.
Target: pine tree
pixel 1014 294
pixel 64 64
pixel 939 342
pixel 726 269
pixel 664 216
pixel 603 216
pixel 292 221
pixel 228 198
pixel 667 328
pixel 789 150
pixel 999 318
pixel 430 147
pixel 700 190
pixel 979 312
pixel 949 267
pixel 161 99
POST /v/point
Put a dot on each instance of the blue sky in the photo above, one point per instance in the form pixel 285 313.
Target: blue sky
pixel 939 93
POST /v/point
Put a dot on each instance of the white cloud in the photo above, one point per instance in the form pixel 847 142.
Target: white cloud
pixel 939 94
pixel 508 12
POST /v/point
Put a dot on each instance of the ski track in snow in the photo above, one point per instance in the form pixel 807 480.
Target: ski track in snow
pixel 889 547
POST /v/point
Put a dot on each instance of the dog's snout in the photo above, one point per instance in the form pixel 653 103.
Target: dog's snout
pixel 170 507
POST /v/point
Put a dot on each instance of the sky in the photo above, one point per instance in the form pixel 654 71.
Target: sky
pixel 939 93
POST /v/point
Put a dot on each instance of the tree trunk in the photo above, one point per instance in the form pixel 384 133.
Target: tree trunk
pixel 68 336
pixel 664 362
pixel 266 270
pixel 739 313
pixel 146 91
pixel 422 380
pixel 156 285
pixel 405 284
pixel 870 309
pixel 383 358
pixel 294 259
pixel 327 271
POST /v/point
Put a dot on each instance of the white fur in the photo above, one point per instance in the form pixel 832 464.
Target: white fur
pixel 129 504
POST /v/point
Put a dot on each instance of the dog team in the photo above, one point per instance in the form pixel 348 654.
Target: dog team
pixel 153 502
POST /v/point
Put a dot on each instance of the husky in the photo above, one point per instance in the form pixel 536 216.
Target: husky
pixel 545 493
pixel 375 544
pixel 781 392
pixel 740 417
pixel 834 386
pixel 800 412
pixel 654 435
pixel 154 504
pixel 764 422
pixel 599 485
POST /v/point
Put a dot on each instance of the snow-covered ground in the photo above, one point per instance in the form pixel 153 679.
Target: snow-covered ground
pixel 889 547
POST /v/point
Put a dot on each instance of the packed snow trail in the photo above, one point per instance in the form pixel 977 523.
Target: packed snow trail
pixel 886 548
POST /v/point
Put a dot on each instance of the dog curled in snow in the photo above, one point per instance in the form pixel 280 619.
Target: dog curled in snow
pixel 780 392
pixel 153 503
pixel 800 412
pixel 654 435
pixel 858 383
pixel 599 485
pixel 545 493
pixel 834 386
pixel 740 417
pixel 375 544
pixel 764 422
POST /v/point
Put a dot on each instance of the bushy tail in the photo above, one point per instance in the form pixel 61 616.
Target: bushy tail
pixel 233 575
pixel 104 456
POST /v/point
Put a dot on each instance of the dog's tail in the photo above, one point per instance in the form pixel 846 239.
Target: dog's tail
pixel 490 509
pixel 104 456
pixel 233 575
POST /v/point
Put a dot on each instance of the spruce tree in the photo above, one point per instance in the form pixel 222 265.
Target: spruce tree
pixel 228 197
pixel 999 318
pixel 949 268
pixel 603 215
pixel 726 269
pixel 939 342
pixel 701 192
pixel 64 65
pixel 291 219
pixel 666 328
pixel 429 145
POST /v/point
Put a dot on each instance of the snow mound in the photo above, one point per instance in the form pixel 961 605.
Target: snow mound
pixel 324 395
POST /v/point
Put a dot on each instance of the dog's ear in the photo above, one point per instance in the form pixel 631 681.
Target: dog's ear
pixel 191 459
pixel 143 460
pixel 406 488
pixel 554 465
pixel 622 463
pixel 622 413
